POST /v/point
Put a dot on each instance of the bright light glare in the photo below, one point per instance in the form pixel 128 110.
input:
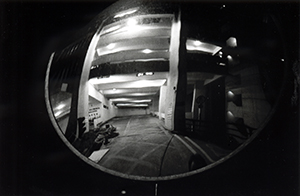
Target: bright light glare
pixel 131 105
pixel 232 42
pixel 230 94
pixel 111 46
pixel 113 28
pixel 147 51
pixel 149 73
pixel 58 113
pixel 196 45
pixel 131 100
pixel 146 83
pixel 60 106
pixel 126 12
pixel 229 113
pixel 132 22
pixel 141 94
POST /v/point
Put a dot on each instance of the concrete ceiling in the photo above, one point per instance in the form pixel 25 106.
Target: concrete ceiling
pixel 131 88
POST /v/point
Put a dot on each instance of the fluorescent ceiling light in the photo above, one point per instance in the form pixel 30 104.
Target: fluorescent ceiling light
pixel 145 60
pixel 113 28
pixel 60 106
pixel 111 46
pixel 126 78
pixel 198 46
pixel 139 94
pixel 230 94
pixel 138 84
pixel 131 100
pixel 232 42
pixel 132 22
pixel 126 12
pixel 145 74
pixel 146 83
pixel 147 51
pixel 131 105
pixel 229 57
pixel 58 113
pixel 197 43
pixel 149 73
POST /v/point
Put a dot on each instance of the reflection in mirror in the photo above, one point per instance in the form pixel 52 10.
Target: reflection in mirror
pixel 159 90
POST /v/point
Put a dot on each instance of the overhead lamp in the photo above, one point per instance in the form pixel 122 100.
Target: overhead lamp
pixel 220 54
pixel 139 74
pixel 193 45
pixel 119 99
pixel 147 83
pixel 145 74
pixel 132 22
pixel 149 73
pixel 131 100
pixel 197 43
pixel 111 45
pixel 58 113
pixel 131 105
pixel 230 94
pixel 229 113
pixel 229 57
pixel 232 42
pixel 141 101
pixel 60 106
pixel 147 51
pixel 141 94
pixel 110 29
pixel 126 12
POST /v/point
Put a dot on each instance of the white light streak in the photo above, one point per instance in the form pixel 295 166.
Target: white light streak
pixel 147 51
pixel 126 12
pixel 198 46
pixel 60 106
pixel 111 46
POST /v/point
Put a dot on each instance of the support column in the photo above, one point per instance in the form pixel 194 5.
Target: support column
pixel 173 73
pixel 83 91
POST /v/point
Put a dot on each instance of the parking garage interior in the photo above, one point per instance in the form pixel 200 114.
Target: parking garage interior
pixel 174 100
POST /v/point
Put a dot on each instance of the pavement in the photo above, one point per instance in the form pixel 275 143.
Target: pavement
pixel 145 148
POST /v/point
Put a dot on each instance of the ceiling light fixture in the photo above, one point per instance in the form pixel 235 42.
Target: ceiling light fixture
pixel 132 22
pixel 193 45
pixel 126 12
pixel 147 51
pixel 111 46
pixel 145 74
pixel 60 106
pixel 232 42
pixel 131 105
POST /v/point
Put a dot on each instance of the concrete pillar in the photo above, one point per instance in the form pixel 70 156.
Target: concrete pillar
pixel 162 102
pixel 83 91
pixel 173 73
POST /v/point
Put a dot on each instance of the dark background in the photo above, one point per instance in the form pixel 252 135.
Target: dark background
pixel 35 161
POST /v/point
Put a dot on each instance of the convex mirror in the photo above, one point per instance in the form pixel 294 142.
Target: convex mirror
pixel 153 91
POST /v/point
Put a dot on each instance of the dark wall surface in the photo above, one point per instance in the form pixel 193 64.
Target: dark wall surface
pixel 35 161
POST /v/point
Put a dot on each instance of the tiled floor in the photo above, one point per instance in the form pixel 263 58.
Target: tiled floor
pixel 145 148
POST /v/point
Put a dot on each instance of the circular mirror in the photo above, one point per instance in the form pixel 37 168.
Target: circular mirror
pixel 154 91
